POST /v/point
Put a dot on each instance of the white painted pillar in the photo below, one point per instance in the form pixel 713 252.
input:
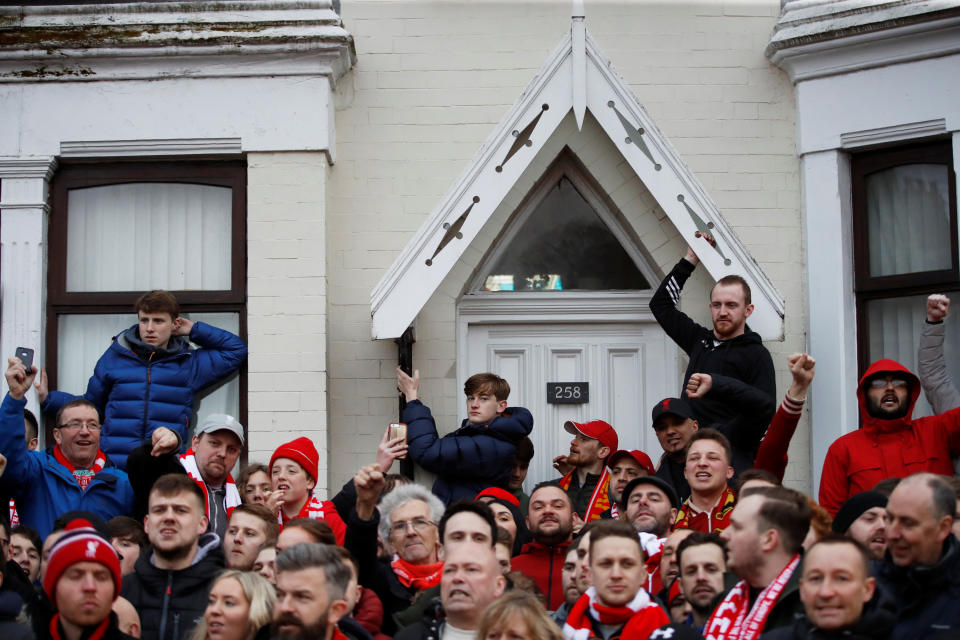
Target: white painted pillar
pixel 828 230
pixel 24 183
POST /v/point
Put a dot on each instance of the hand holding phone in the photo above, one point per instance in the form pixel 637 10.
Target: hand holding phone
pixel 25 355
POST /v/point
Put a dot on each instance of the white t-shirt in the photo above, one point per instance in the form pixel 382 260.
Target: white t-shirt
pixel 450 632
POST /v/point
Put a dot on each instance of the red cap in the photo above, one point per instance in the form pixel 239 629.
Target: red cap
pixel 642 459
pixel 302 452
pixel 500 494
pixel 674 592
pixel 81 543
pixel 597 429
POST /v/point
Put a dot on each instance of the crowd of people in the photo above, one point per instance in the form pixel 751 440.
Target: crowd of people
pixel 131 525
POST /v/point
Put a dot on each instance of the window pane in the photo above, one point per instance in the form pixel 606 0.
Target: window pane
pixel 138 237
pixel 563 245
pixel 894 328
pixel 82 339
pixel 908 218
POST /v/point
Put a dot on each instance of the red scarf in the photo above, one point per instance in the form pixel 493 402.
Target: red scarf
pixel 82 476
pixel 599 501
pixel 418 576
pixel 713 521
pixel 231 498
pixel 732 621
pixel 98 633
pixel 14 516
pixel 640 617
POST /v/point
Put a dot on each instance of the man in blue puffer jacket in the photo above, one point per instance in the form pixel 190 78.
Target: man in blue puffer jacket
pixel 72 475
pixel 481 452
pixel 148 376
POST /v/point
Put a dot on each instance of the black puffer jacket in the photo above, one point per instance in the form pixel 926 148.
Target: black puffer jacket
pixel 926 597
pixel 875 623
pixel 171 602
pixel 742 400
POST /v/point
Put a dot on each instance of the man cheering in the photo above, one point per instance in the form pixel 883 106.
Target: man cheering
pixel 586 479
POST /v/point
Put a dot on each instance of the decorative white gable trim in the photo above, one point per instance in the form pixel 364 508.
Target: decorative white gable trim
pixel 554 91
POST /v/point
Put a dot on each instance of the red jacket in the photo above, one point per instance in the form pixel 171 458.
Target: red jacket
pixel 544 565
pixel 888 448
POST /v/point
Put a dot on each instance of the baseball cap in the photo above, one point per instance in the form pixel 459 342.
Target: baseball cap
pixel 641 458
pixel 676 406
pixel 656 481
pixel 221 422
pixel 596 429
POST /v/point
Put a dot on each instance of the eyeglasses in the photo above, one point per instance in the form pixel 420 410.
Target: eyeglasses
pixel 73 425
pixel 881 383
pixel 419 525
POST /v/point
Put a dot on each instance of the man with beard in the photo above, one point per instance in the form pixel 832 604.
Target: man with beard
pixel 702 558
pixel 625 466
pixel 921 568
pixel 764 541
pixel 862 518
pixel 650 505
pixel 550 522
pixel 214 450
pixel 171 579
pixel 674 424
pixel 890 443
pixel 707 471
pixel 312 582
pixel 585 478
pixel 729 382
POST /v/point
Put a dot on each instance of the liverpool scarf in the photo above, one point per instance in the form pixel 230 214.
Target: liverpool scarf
pixel 640 617
pixel 82 476
pixel 599 501
pixel 715 520
pixel 232 497
pixel 418 576
pixel 732 620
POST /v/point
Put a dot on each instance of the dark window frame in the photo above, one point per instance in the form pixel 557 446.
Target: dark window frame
pixel 223 173
pixel 868 288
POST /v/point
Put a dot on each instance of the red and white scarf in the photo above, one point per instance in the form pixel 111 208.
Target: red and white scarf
pixel 418 576
pixel 14 516
pixel 640 617
pixel 599 501
pixel 82 476
pixel 312 508
pixel 732 620
pixel 231 498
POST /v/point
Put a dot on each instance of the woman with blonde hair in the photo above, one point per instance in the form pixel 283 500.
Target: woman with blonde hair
pixel 517 615
pixel 240 603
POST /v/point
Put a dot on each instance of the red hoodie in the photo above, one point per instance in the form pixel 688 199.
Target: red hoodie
pixel 544 565
pixel 888 448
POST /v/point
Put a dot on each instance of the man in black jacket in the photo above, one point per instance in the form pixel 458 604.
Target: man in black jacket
pixel 921 569
pixel 172 577
pixel 730 381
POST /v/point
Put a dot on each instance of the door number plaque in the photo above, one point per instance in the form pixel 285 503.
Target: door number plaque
pixel 568 392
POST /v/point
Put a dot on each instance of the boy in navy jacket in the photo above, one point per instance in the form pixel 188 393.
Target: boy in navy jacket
pixel 481 452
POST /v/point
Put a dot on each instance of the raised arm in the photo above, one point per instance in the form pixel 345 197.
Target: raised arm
pixel 21 466
pixel 935 379
pixel 772 454
pixel 221 352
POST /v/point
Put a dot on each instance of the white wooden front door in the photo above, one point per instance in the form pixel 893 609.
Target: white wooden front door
pixel 629 368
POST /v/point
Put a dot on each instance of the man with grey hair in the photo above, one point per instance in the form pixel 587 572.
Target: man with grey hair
pixel 311 585
pixel 407 520
pixel 921 568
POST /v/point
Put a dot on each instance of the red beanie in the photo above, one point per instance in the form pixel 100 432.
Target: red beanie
pixel 497 492
pixel 81 543
pixel 302 452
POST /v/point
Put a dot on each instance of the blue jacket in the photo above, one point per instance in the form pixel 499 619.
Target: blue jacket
pixel 137 387
pixel 471 458
pixel 44 488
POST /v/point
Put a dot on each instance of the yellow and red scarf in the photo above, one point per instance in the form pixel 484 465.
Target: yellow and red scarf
pixel 715 520
pixel 599 501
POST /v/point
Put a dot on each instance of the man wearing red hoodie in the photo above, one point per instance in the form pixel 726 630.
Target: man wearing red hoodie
pixel 551 523
pixel 890 443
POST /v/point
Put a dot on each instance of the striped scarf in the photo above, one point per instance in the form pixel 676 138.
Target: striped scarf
pixel 640 617
pixel 232 497
pixel 599 501
pixel 732 621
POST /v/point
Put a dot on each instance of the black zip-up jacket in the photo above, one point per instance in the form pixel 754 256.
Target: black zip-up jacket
pixel 171 602
pixel 875 623
pixel 742 400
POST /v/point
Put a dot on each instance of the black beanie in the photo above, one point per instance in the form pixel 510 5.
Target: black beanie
pixel 856 507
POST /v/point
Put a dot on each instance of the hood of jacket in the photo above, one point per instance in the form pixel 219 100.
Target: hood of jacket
pixel 207 563
pixel 130 341
pixel 877 424
pixel 514 424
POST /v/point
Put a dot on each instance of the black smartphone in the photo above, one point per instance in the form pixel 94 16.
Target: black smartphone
pixel 26 357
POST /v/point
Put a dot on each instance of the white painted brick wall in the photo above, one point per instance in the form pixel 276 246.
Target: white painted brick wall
pixel 287 302
pixel 432 80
